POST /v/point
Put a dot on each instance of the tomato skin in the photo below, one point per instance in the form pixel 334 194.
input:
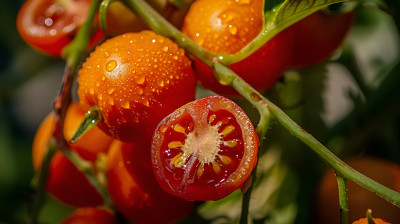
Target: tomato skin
pixel 318 36
pixel 365 221
pixel 359 199
pixel 134 190
pixel 204 150
pixel 49 25
pixel 225 27
pixel 90 215
pixel 65 181
pixel 135 79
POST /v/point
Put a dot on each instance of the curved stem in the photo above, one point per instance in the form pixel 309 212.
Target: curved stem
pixel 160 25
pixel 103 14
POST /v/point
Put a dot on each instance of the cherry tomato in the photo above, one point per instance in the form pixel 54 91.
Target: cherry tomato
pixel 134 189
pixel 90 215
pixel 49 25
pixel 135 79
pixel 204 150
pixel 359 199
pixel 225 27
pixel 65 181
pixel 318 36
pixel 365 221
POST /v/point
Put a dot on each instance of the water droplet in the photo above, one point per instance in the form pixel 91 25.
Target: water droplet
pixel 110 90
pixel 165 48
pixel 97 84
pixel 107 54
pixel 175 57
pixel 91 90
pixel 140 79
pixel 140 49
pixel 243 2
pixel 110 101
pixel 125 105
pixel 232 29
pixel 100 96
pixel 160 83
pixel 111 65
pixel 139 90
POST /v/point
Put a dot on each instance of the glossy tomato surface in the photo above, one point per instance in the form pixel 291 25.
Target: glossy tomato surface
pixel 365 221
pixel 318 36
pixel 225 27
pixel 204 150
pixel 49 25
pixel 65 181
pixel 359 199
pixel 135 79
pixel 134 189
pixel 90 215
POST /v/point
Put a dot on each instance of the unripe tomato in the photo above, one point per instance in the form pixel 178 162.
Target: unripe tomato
pixel 225 27
pixel 359 199
pixel 134 189
pixel 135 79
pixel 318 36
pixel 65 181
pixel 49 25
pixel 90 215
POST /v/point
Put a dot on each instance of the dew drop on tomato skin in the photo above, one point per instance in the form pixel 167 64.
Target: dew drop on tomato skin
pixel 133 74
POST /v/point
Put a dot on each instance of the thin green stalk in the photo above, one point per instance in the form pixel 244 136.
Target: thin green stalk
pixel 39 183
pixel 160 25
pixel 266 107
pixel 344 211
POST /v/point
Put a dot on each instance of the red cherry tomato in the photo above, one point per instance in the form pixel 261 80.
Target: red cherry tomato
pixel 359 199
pixel 90 215
pixel 135 79
pixel 318 36
pixel 65 181
pixel 49 25
pixel 225 27
pixel 134 190
pixel 204 150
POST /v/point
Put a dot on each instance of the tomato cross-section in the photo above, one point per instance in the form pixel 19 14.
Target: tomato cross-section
pixel 205 149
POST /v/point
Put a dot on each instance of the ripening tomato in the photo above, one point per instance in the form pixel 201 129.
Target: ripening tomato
pixel 134 189
pixel 365 221
pixel 204 150
pixel 65 181
pixel 49 25
pixel 91 215
pixel 359 199
pixel 135 79
pixel 225 27
pixel 318 36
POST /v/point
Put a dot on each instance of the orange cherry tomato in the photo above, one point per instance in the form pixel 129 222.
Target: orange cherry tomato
pixel 134 190
pixel 135 79
pixel 225 27
pixel 359 199
pixel 65 181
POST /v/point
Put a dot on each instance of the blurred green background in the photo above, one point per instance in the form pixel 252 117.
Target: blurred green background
pixel 325 99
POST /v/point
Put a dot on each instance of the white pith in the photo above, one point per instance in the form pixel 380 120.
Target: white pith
pixel 203 143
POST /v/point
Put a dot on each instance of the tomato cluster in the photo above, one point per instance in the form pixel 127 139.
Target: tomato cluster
pixel 157 149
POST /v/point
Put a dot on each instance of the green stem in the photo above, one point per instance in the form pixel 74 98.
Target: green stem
pixel 39 182
pixel 85 168
pixel 369 216
pixel 103 14
pixel 160 25
pixel 344 211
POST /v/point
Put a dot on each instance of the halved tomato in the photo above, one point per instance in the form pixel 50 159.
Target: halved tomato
pixel 49 25
pixel 204 150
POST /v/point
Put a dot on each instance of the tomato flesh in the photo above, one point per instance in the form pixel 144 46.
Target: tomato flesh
pixel 49 25
pixel 205 150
